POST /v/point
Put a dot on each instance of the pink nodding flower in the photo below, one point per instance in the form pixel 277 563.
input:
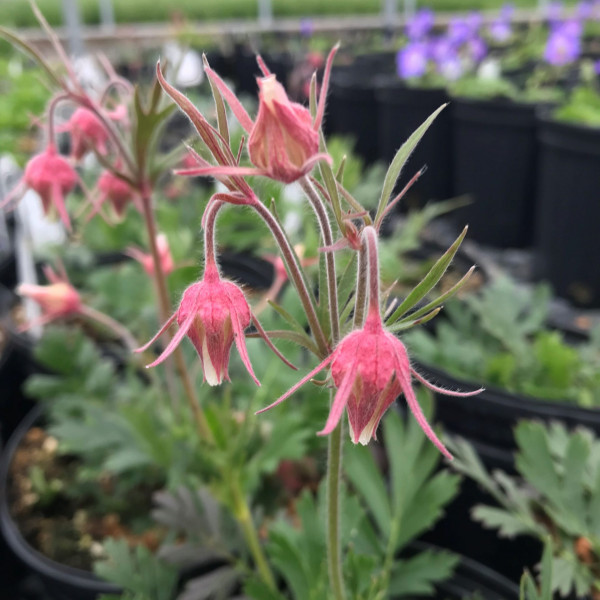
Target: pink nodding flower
pixel 370 369
pixel 117 191
pixel 213 313
pixel 87 133
pixel 146 260
pixel 57 299
pixel 52 177
pixel 283 141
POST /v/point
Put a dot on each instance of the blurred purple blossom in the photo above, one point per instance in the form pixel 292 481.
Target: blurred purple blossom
pixel 411 61
pixel 476 49
pixel 507 12
pixel 441 47
pixel 554 11
pixel 585 9
pixel 420 24
pixel 307 27
pixel 459 30
pixel 450 66
pixel 571 28
pixel 474 20
pixel 500 30
pixel 597 67
pixel 561 47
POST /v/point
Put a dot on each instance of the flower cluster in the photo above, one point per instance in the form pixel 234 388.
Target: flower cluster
pixel 369 366
pixel 459 49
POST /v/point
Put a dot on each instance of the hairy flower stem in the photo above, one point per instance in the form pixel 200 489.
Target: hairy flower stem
pixel 362 275
pixel 327 235
pixel 117 328
pixel 51 110
pixel 370 240
pixel 296 275
pixel 334 472
pixel 244 516
pixel 388 563
pixel 334 459
pixel 210 218
pixel 165 311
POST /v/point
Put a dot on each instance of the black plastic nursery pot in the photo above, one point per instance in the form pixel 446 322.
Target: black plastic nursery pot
pixel 470 579
pixel 495 154
pixel 401 110
pixel 487 419
pixel 352 106
pixel 568 192
pixel 457 531
pixel 61 582
pixel 473 579
pixel 16 364
pixel 8 269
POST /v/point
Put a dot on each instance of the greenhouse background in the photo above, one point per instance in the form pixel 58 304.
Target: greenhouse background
pixel 299 300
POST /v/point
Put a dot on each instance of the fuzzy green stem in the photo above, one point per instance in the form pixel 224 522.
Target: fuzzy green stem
pixel 244 516
pixel 296 274
pixel 334 554
pixel 165 311
pixel 361 288
pixel 388 563
pixel 327 235
pixel 51 109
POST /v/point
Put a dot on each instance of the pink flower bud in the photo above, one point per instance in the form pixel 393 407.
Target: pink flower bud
pixel 57 299
pixel 52 177
pixel 283 140
pixel 213 313
pixel 146 260
pixel 117 191
pixel 87 133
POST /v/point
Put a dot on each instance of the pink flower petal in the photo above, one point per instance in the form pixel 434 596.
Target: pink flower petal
pixel 296 387
pixel 339 403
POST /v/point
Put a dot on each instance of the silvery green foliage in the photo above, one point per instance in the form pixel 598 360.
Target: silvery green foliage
pixel 499 337
pixel 556 497
pixel 142 575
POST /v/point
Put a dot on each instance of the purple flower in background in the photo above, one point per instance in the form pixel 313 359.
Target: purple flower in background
pixel 474 21
pixel 507 12
pixel 554 11
pixel 441 47
pixel 420 24
pixel 597 67
pixel 459 30
pixel 571 28
pixel 500 30
pixel 306 28
pixel 450 66
pixel 411 61
pixel 561 48
pixel 476 49
pixel 585 9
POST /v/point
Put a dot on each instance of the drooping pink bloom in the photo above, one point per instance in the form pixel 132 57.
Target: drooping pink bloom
pixel 146 260
pixel 283 141
pixel 117 191
pixel 87 133
pixel 57 299
pixel 370 369
pixel 213 313
pixel 52 177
